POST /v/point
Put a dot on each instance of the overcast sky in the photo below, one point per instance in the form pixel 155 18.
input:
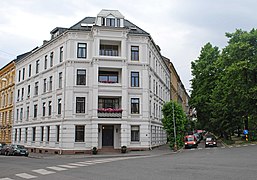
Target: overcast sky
pixel 179 27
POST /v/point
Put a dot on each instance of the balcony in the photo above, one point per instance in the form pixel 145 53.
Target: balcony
pixel 109 113
pixel 109 48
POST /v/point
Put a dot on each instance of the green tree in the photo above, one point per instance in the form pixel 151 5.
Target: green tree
pixel 225 84
pixel 204 80
pixel 173 109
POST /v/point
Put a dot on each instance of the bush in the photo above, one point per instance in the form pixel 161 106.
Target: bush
pixel 123 149
pixel 94 150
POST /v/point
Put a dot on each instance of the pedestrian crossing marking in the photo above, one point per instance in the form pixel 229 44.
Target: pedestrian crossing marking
pixel 43 171
pixel 25 176
pixel 68 166
pixel 78 164
pixel 56 168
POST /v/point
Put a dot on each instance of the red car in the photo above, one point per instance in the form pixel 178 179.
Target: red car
pixel 190 141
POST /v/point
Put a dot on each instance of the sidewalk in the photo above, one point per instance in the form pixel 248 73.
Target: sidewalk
pixel 164 149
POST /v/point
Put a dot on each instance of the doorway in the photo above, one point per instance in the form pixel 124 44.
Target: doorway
pixel 107 135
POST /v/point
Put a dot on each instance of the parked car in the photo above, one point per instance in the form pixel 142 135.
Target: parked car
pixel 4 149
pixel 197 136
pixel 190 141
pixel 15 150
pixel 210 141
pixel 2 146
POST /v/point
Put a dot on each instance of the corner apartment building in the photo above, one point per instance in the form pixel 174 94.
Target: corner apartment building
pixel 100 83
pixel 7 82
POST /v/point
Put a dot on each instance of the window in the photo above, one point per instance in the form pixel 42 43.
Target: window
pixel 26 135
pixel 15 135
pixel 109 50
pixel 33 134
pixel 35 110
pixel 60 80
pixel 42 134
pixel 21 114
pixel 135 133
pixel 51 59
pixel 134 79
pixel 82 50
pixel 45 62
pixel 134 53
pixel 50 83
pixel 110 22
pixel 19 76
pixel 44 108
pixel 47 133
pixel 61 54
pixel 118 22
pixel 29 70
pixel 59 108
pixel 44 86
pixel 28 91
pixel 36 88
pixel 23 73
pixel 57 133
pixel 81 77
pixel 113 103
pixel 22 93
pixel 134 105
pixel 80 104
pixel 79 133
pixel 49 108
pixel 37 66
pixel 18 95
pixel 17 115
pixel 27 117
pixel 108 77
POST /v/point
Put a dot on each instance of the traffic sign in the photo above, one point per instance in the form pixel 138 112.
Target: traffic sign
pixel 245 131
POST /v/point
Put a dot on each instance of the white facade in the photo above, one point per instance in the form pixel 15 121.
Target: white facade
pixel 107 89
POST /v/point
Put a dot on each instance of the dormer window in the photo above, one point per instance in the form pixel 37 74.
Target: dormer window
pixel 111 18
pixel 110 22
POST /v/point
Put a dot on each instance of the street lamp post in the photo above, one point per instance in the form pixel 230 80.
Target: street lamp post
pixel 174 128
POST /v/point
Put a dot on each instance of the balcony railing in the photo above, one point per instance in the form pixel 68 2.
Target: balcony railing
pixel 109 113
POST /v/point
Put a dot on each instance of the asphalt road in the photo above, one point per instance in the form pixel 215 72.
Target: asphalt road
pixel 222 163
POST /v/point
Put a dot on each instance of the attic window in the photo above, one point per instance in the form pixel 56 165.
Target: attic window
pixel 133 28
pixel 86 25
pixel 110 22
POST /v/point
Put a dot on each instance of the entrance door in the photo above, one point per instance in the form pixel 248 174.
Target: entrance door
pixel 107 135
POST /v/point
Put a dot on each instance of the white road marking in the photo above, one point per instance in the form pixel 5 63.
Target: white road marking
pixel 56 168
pixel 230 146
pixel 200 148
pixel 78 164
pixel 245 145
pixel 43 171
pixel 68 166
pixel 223 147
pixel 253 144
pixel 25 176
pixel 238 145
pixel 6 179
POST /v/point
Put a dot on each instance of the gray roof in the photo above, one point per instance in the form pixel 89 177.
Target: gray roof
pixel 90 21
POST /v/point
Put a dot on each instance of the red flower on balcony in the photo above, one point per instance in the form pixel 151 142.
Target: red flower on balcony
pixel 109 110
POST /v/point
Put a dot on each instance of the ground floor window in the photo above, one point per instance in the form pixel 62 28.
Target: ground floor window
pixel 80 133
pixel 135 133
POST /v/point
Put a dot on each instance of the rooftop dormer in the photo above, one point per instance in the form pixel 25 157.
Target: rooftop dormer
pixel 111 18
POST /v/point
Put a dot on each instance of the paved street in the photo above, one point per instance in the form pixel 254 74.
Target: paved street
pixel 160 164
